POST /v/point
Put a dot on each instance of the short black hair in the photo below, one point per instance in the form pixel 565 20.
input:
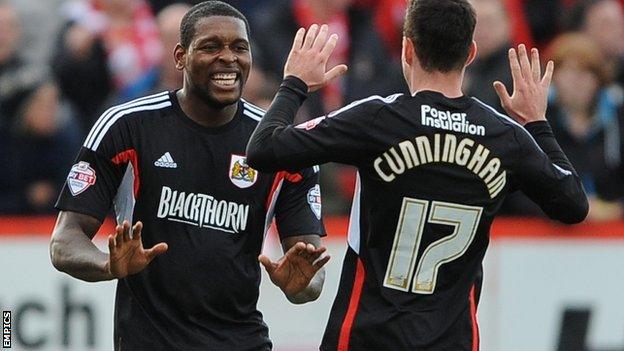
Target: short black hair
pixel 203 10
pixel 442 32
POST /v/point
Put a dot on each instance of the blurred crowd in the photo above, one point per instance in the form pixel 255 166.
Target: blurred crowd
pixel 63 62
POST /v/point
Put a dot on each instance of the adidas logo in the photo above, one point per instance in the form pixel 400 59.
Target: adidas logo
pixel 166 161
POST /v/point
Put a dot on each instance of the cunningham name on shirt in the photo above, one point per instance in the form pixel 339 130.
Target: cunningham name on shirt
pixel 443 148
pixel 202 210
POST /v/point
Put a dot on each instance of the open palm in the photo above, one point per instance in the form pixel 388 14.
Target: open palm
pixel 293 272
pixel 126 253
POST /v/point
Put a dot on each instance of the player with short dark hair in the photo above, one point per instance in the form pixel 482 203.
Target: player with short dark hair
pixel 174 163
pixel 433 169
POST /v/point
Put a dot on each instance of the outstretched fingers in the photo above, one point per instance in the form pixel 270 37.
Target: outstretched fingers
pixel 269 265
pixel 335 72
pixel 536 68
pixel 321 39
pixel 320 263
pixel 310 36
pixel 516 72
pixel 156 250
pixel 525 64
pixel 502 93
pixel 298 41
pixel 112 245
pixel 550 68
pixel 136 231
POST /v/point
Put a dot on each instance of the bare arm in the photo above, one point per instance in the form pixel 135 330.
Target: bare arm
pixel 73 252
pixel 299 273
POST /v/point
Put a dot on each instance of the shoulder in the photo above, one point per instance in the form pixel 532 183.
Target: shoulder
pixel 119 114
pixel 520 133
pixel 371 104
pixel 251 111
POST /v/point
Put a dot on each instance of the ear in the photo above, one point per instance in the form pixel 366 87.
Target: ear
pixel 472 53
pixel 179 55
pixel 407 52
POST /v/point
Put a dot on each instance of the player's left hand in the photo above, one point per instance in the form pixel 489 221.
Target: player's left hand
pixel 309 55
pixel 529 99
pixel 293 272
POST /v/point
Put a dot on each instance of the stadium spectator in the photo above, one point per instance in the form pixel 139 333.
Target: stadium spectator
pixel 17 80
pixel 168 20
pixel 493 40
pixel 43 142
pixel 587 115
pixel 107 46
pixel 603 22
pixel 17 76
pixel 360 46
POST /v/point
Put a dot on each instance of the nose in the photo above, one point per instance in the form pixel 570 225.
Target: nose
pixel 227 55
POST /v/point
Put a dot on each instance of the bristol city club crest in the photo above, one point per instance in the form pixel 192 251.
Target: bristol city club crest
pixel 314 200
pixel 80 178
pixel 240 173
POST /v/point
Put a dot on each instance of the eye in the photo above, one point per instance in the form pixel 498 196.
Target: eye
pixel 241 48
pixel 210 47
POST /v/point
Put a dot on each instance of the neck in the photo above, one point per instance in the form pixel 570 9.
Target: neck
pixel 448 84
pixel 200 112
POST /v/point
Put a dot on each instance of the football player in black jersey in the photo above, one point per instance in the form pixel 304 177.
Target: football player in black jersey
pixel 174 164
pixel 433 169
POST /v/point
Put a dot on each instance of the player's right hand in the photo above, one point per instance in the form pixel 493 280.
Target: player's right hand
pixel 309 55
pixel 529 99
pixel 126 253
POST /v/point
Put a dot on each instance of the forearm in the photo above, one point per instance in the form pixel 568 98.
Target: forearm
pixel 73 252
pixel 564 199
pixel 291 94
pixel 543 135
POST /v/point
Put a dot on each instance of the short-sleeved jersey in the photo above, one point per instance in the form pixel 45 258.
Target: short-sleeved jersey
pixel 191 187
pixel 432 173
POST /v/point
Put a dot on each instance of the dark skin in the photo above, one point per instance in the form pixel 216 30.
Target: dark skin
pixel 216 65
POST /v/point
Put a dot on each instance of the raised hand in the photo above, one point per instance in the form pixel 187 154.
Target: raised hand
pixel 309 55
pixel 126 254
pixel 529 99
pixel 293 272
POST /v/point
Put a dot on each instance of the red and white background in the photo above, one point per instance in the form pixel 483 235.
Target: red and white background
pixel 547 287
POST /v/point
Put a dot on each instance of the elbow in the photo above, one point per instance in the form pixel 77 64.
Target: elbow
pixel 57 254
pixel 307 296
pixel 576 214
pixel 259 162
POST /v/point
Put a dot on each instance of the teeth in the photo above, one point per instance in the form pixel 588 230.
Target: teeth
pixel 226 76
pixel 225 81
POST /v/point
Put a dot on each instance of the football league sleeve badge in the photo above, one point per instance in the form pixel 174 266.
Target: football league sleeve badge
pixel 240 173
pixel 314 200
pixel 80 178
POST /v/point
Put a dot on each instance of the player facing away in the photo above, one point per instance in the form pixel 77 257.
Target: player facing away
pixel 174 163
pixel 433 169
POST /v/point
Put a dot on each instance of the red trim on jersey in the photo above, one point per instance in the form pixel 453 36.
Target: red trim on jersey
pixel 129 155
pixel 279 176
pixel 293 178
pixel 473 317
pixel 354 302
pixel 276 181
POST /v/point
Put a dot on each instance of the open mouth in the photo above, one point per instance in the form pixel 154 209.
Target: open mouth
pixel 226 80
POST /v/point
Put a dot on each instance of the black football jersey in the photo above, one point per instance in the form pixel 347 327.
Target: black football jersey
pixel 191 187
pixel 432 173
